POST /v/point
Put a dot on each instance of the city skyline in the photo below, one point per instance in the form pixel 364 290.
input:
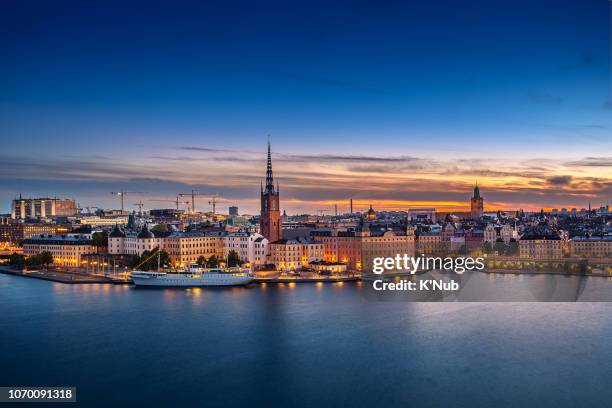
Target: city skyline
pixel 401 114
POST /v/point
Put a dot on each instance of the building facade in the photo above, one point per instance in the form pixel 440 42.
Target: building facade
pixel 66 250
pixel 591 247
pixel 540 245
pixel 358 247
pixel 295 254
pixel 251 248
pixel 23 208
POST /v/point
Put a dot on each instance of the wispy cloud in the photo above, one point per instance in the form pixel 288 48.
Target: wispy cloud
pixel 591 162
pixel 310 178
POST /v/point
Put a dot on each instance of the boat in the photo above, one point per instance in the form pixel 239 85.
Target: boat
pixel 194 276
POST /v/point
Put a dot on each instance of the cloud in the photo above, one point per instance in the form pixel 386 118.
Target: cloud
pixel 591 162
pixel 559 180
pixel 311 178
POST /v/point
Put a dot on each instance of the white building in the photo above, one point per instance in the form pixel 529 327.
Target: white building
pixel 132 243
pixel 250 247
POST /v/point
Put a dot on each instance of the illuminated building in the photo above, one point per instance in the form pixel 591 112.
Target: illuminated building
pixel 591 247
pixel 66 249
pixel 358 247
pixel 131 243
pixel 294 254
pixel 23 208
pixel 15 232
pixel 98 221
pixel 371 214
pixel 540 244
pixel 270 220
pixel 251 248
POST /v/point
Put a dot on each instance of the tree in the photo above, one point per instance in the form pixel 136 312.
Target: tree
pixel 148 260
pixel 99 239
pixel 46 258
pixel 212 262
pixel 233 259
pixel 201 261
pixel 487 248
pixel 17 260
pixel 160 228
pixel 499 247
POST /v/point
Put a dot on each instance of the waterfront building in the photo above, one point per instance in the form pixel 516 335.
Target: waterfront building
pixel 357 247
pixel 66 250
pixel 324 267
pixel 132 243
pixel 270 220
pixel 23 208
pixel 294 254
pixel 187 247
pixel 591 247
pixel 15 232
pixel 251 248
pixel 476 204
pixel 540 243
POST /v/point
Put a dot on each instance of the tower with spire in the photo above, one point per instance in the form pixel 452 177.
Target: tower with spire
pixel 476 203
pixel 270 219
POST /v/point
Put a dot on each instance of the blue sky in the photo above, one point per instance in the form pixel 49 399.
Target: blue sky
pixel 98 98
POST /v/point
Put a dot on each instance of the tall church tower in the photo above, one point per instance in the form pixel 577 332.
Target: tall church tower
pixel 270 219
pixel 477 203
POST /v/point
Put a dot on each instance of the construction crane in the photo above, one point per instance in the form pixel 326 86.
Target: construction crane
pixel 192 194
pixel 139 204
pixel 176 201
pixel 214 200
pixel 122 194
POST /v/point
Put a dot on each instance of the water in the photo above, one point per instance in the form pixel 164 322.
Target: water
pixel 313 345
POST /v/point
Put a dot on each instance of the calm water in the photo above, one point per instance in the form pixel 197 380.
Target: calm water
pixel 305 346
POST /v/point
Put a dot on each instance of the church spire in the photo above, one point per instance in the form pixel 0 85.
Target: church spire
pixel 269 176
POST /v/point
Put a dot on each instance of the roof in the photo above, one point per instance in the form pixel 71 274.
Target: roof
pixel 145 233
pixel 117 232
pixel 295 241
pixel 540 233
pixel 58 240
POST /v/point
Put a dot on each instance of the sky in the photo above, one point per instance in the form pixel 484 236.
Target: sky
pixel 400 105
